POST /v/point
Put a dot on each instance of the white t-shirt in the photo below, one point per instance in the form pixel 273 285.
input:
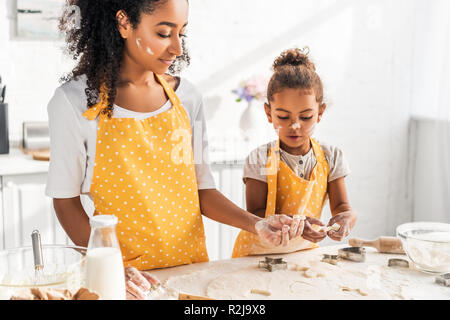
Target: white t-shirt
pixel 73 138
pixel 256 163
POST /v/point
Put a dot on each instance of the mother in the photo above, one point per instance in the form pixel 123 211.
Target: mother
pixel 122 131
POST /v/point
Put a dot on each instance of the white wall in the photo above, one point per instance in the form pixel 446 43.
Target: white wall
pixel 431 169
pixel 31 70
pixel 363 51
pixel 431 79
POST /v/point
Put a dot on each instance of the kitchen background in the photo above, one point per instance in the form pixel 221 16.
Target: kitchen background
pixel 386 70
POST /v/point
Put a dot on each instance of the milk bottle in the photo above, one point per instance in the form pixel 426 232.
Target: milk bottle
pixel 104 266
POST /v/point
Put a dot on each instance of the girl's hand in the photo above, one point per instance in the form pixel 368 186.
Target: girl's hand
pixel 345 220
pixel 138 283
pixel 274 230
pixel 310 234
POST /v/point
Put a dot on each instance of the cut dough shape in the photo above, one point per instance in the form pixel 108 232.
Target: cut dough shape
pixel 320 275
pixel 302 268
pixel 309 274
pixel 313 274
pixel 296 267
pixel 346 289
pixel 263 292
pixel 358 290
pixel 361 292
pixel 334 227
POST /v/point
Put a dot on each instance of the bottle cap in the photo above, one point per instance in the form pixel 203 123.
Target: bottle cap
pixel 104 220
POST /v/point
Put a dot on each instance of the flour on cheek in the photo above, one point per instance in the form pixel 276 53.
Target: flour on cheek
pixel 147 49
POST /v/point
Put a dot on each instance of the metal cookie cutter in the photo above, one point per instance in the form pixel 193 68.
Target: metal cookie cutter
pixel 356 254
pixel 398 263
pixel 443 279
pixel 271 264
pixel 330 258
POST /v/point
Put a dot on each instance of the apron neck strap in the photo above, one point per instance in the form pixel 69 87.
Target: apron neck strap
pixel 273 162
pixel 169 90
pixel 318 152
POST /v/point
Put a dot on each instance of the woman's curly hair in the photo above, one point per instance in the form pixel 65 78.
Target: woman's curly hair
pixel 96 43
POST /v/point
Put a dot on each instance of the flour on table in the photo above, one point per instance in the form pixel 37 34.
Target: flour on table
pixel 308 278
pixel 319 281
pixel 302 280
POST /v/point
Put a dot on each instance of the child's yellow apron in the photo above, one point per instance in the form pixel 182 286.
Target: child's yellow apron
pixel 290 195
pixel 144 174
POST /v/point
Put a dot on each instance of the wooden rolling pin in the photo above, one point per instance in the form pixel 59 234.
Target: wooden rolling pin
pixel 382 244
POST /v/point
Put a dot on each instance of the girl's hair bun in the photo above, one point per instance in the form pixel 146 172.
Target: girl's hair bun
pixel 294 57
pixel 294 70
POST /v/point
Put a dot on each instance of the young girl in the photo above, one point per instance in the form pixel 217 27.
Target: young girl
pixel 122 132
pixel 295 174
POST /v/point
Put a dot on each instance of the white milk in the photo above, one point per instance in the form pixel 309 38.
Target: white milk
pixel 105 273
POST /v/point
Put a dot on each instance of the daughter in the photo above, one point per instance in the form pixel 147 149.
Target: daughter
pixel 296 174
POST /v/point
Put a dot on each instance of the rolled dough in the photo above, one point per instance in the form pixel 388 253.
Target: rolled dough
pixel 320 281
pixel 372 279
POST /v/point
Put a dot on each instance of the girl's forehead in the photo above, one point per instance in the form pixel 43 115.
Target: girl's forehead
pixel 294 100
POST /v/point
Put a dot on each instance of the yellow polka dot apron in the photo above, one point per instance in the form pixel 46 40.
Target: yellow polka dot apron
pixel 144 174
pixel 288 194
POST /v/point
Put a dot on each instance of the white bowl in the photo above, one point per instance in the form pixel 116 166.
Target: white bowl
pixel 427 244
pixel 63 268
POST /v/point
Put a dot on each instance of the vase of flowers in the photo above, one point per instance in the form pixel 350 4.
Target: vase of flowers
pixel 253 91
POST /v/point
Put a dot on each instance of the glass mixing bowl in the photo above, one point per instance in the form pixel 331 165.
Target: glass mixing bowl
pixel 63 269
pixel 427 244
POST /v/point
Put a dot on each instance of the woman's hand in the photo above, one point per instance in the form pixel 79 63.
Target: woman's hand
pixel 297 226
pixel 310 234
pixel 346 220
pixel 138 283
pixel 274 230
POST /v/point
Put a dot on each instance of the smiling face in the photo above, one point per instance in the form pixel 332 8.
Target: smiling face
pixel 157 40
pixel 294 114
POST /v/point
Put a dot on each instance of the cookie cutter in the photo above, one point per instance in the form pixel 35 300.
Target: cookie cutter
pixel 330 258
pixel 356 254
pixel 398 263
pixel 272 264
pixel 443 279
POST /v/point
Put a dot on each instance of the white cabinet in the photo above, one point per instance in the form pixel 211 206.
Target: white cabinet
pixel 26 208
pixel 23 204
pixel 220 237
pixel 430 169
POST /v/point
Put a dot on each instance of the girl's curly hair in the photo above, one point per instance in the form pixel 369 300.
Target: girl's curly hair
pixel 293 69
pixel 96 43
